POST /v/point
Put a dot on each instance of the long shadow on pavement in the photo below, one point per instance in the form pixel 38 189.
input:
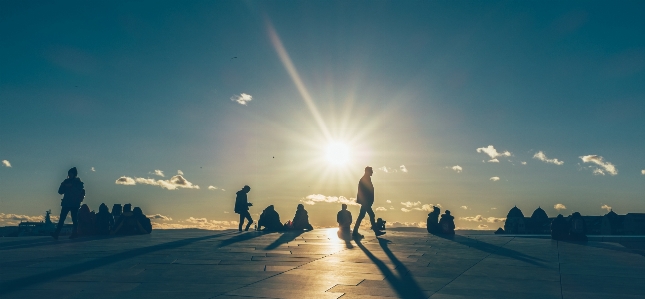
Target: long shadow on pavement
pixel 284 238
pixel 17 284
pixel 494 249
pixel 403 283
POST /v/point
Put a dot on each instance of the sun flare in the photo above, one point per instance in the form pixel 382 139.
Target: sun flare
pixel 337 153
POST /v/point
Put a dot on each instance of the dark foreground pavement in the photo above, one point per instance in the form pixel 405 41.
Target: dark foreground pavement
pixel 317 264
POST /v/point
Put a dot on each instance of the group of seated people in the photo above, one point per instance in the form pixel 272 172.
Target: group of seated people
pixel 573 229
pixel 270 220
pixel 122 220
pixel 444 226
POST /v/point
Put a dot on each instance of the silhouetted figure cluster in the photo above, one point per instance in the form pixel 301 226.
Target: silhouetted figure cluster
pixel 432 224
pixel 573 229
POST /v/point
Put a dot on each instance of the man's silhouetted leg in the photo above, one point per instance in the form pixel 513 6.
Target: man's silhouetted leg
pixel 360 217
pixel 61 221
pixel 74 212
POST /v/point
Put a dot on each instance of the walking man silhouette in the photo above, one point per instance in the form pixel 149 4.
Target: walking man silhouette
pixel 365 198
pixel 73 193
pixel 242 206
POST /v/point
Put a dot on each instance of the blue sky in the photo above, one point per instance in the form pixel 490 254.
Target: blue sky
pixel 130 88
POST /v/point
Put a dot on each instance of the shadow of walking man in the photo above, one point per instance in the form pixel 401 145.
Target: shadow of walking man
pixel 286 237
pixel 402 282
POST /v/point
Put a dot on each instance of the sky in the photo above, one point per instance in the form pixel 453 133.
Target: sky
pixel 474 106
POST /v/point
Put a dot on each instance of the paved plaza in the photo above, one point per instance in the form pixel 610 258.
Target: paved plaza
pixel 317 264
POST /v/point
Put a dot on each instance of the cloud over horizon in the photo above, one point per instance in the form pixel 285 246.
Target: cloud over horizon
pixel 158 172
pixel 160 217
pixel 493 154
pixel 542 157
pixel 606 208
pixel 242 99
pixel 124 180
pixel 6 163
pixel 607 167
pixel 314 198
pixel 174 183
pixel 480 218
pixel 403 168
pixel 559 207
pixel 494 179
pixel 457 168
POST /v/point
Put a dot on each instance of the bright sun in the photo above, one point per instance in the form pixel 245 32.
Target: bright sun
pixel 337 153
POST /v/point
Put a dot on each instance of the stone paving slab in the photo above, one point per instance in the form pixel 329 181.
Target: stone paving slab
pixel 317 264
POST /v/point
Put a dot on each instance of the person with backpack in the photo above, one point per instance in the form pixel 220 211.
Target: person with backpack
pixel 447 223
pixel 242 205
pixel 73 191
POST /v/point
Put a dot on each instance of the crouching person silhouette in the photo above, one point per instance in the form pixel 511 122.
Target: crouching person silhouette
pixel 270 220
pixel 242 207
pixel 73 192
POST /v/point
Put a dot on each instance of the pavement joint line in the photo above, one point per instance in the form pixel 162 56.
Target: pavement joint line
pixel 280 273
pixel 462 273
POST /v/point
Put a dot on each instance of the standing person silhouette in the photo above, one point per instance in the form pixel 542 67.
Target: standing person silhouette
pixel 73 193
pixel 242 207
pixel 365 198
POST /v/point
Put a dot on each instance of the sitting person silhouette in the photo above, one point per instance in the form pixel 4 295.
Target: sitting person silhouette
pixel 117 210
pixel 85 221
pixel 270 220
pixel 127 224
pixel 559 228
pixel 301 220
pixel 447 223
pixel 344 219
pixel 433 221
pixel 380 224
pixel 577 227
pixel 143 225
pixel 104 221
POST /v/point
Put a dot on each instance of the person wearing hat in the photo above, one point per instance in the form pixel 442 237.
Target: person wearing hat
pixel 73 193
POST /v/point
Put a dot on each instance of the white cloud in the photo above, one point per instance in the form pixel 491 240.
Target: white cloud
pixel 482 226
pixel 158 173
pixel 405 210
pixel 598 160
pixel 480 218
pixel 212 188
pixel 6 163
pixel 523 163
pixel 492 153
pixel 201 223
pixel 159 217
pixel 314 198
pixel 242 98
pixel 402 167
pixel 427 208
pixel 175 182
pixel 180 172
pixel 457 168
pixel 643 172
pixel 493 161
pixel 464 207
pixel 493 208
pixel 388 201
pixel 606 207
pixel 381 209
pixel 559 206
pixel 409 204
pixel 124 180
pixel 405 224
pixel 494 179
pixel 92 169
pixel 542 157
pixel 384 169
